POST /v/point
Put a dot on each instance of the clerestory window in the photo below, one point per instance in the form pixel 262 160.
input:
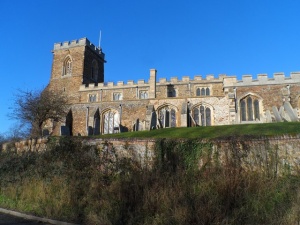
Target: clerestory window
pixel 117 96
pixel 143 94
pixel 202 91
pixel 92 98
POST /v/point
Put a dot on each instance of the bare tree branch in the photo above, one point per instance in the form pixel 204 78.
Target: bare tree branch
pixel 36 107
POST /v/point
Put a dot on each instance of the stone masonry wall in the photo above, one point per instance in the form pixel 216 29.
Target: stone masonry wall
pixel 273 155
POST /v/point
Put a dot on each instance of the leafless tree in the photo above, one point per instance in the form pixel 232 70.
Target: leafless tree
pixel 36 107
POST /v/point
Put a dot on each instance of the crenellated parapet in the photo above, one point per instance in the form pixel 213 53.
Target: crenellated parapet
pixel 142 83
pixel 263 79
pixel 76 43
pixel 186 79
pixel 228 81
pixel 113 85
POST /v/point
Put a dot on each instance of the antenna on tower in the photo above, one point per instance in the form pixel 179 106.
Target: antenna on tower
pixel 100 40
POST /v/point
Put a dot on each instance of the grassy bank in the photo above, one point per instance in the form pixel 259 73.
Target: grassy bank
pixel 93 186
pixel 266 129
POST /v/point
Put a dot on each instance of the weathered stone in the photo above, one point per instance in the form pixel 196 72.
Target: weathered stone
pixel 130 101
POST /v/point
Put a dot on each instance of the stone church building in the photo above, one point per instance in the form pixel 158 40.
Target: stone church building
pixel 98 107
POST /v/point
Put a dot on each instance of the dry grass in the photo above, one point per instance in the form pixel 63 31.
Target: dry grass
pixel 66 183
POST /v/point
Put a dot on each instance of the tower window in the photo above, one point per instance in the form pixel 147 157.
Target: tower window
pixel 67 67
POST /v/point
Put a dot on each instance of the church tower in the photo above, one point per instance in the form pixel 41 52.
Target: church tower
pixel 75 63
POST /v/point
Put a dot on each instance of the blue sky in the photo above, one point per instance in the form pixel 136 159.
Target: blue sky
pixel 178 38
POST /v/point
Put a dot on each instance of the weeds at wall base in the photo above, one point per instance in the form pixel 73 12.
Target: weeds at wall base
pixel 188 183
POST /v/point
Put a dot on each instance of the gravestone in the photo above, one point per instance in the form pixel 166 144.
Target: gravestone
pixel 276 114
pixel 290 111
pixel 269 117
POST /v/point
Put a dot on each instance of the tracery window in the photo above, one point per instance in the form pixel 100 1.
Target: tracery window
pixel 111 121
pixel 143 94
pixel 67 67
pixel 249 109
pixel 202 91
pixel 94 74
pixel 167 117
pixel 117 96
pixel 202 115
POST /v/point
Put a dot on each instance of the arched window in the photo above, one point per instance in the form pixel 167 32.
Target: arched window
pixel 202 115
pixel 207 117
pixel 167 117
pixel 111 121
pixel 249 108
pixel 198 92
pixel 67 67
pixel 203 91
pixel 207 92
pixel 94 74
pixel 256 110
pixel 243 110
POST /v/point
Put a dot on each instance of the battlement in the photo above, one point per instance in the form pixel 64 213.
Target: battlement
pixel 76 43
pixel 187 79
pixel 228 81
pixel 143 84
pixel 114 85
pixel 263 79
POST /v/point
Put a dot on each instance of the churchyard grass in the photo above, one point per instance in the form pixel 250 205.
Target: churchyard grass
pixel 210 132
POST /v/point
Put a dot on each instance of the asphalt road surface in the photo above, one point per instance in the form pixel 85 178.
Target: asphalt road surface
pixel 12 220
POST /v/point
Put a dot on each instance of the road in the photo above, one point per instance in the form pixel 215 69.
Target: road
pixel 12 220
